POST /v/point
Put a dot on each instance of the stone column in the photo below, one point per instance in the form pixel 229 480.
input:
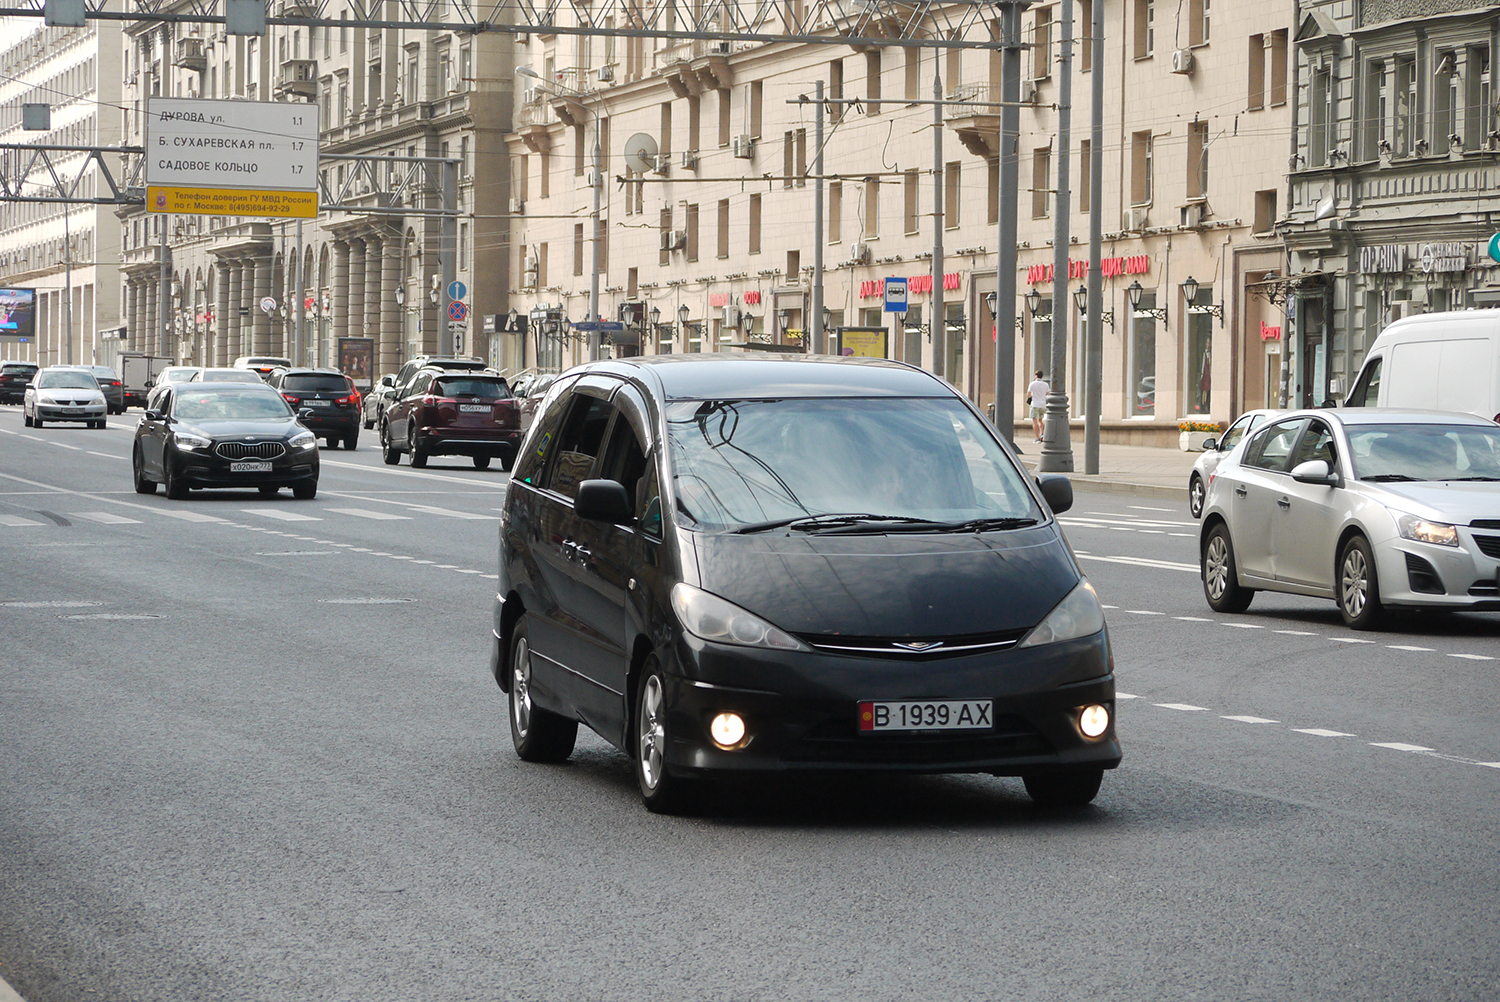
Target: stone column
pixel 234 279
pixel 370 326
pixel 260 338
pixel 150 320
pixel 349 321
pixel 393 318
pixel 339 289
pixel 221 316
pixel 132 300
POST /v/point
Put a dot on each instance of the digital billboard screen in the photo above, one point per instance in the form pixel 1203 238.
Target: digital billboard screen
pixel 17 314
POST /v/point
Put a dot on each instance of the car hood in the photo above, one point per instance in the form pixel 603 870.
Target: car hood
pixel 900 585
pixel 70 393
pixel 1451 501
pixel 259 430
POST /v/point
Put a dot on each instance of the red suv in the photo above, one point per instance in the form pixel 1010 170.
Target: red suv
pixel 440 413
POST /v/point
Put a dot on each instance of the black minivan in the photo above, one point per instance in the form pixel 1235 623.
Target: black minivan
pixel 735 563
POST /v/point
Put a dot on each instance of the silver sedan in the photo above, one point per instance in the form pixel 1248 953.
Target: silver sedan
pixel 59 393
pixel 1370 508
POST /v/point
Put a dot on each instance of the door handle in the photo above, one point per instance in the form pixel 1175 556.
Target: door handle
pixel 1283 503
pixel 1241 491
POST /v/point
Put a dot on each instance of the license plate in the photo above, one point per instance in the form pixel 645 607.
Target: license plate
pixel 320 403
pixel 927 715
pixel 250 467
pixel 474 408
pixel 72 410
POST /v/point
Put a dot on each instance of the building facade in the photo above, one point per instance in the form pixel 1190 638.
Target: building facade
pixel 1394 177
pixel 68 253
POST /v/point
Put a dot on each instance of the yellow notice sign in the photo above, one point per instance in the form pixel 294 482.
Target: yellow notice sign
pixel 233 202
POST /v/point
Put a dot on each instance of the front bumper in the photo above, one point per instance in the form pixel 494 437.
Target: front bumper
pixel 204 470
pixel 1456 578
pixel 801 710
pixel 58 412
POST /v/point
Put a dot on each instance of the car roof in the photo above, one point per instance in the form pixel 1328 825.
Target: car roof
pixel 227 387
pixel 739 375
pixel 302 371
pixel 1353 416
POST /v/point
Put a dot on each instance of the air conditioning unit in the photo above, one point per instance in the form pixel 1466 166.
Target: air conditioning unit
pixel 533 264
pixel 673 240
pixel 689 159
pixel 517 206
pixel 731 316
pixel 1402 308
pixel 1133 220
pixel 859 253
pixel 1182 61
pixel 663 163
pixel 606 74
pixel 1193 214
pixel 743 147
pixel 1028 92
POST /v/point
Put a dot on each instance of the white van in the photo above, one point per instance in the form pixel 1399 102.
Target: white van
pixel 1434 361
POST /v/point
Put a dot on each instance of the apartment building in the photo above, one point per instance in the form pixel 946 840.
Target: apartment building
pixel 711 242
pixel 370 270
pixel 65 252
pixel 1395 169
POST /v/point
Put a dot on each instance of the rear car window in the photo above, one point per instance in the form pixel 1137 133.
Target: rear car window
pixel 472 386
pixel 315 383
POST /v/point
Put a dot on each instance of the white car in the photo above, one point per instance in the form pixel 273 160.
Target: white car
pixel 57 393
pixel 1368 507
pixel 1214 450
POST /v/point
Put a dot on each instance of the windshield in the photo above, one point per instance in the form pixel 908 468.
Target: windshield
pixel 1396 452
pixel 201 406
pixel 471 386
pixel 75 380
pixel 738 464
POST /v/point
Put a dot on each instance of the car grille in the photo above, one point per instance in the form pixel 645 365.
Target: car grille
pixel 1488 545
pixel 913 648
pixel 1485 523
pixel 251 450
pixel 837 740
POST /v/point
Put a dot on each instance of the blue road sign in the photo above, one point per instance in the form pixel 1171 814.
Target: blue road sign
pixel 457 289
pixel 895 295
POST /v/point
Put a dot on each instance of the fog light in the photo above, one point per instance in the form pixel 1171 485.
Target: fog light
pixel 1093 720
pixel 727 730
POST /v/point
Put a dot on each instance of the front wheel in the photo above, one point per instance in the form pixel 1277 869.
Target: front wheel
pixel 177 488
pixel 660 792
pixel 305 491
pixel 142 485
pixel 26 419
pixel 1060 788
pixel 388 451
pixel 539 735
pixel 1359 590
pixel 1196 491
pixel 1221 583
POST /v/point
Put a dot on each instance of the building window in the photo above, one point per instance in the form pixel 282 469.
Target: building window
pixel 909 192
pixel 541 266
pixel 1445 102
pixel 955 62
pixel 1255 100
pixel 992 190
pixel 1404 129
pixel 545 174
pixel 1265 210
pixel 412 94
pixel 1198 18
pixel 951 177
pixel 692 231
pixel 1320 118
pixel 913 72
pixel 664 228
pixel 755 223
pixel 1200 356
pixel 872 82
pixel 726 123
pixel 463 246
pixel 1479 108
pixel 578 248
pixel 836 89
pixel 1145 28
pixel 1197 160
pixel 1085 173
pixel 1143 360
pixel 1140 168
pixel 1041 44
pixel 835 211
pixel 872 208
pixel 1278 67
pixel 664 142
pixel 465 67
pixel 723 249
pixel 694 123
pixel 1086 29
pixel 1041 182
pixel 787 152
pixel 757 91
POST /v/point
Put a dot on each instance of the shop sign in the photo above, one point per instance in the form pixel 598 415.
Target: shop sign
pixel 1382 259
pixel 1269 333
pixel 1110 267
pixel 752 298
pixel 1448 257
pixel 717 299
pixel 875 288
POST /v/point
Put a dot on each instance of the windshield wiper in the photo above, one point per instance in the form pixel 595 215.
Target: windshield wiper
pixel 818 523
pixel 1386 478
pixel 989 524
pixel 1461 479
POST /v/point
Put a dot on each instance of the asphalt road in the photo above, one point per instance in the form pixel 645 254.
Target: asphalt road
pixel 251 750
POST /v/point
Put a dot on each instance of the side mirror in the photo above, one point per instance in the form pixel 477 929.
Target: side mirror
pixel 1210 445
pixel 1315 471
pixel 387 380
pixel 305 414
pixel 153 415
pixel 30 386
pixel 1058 490
pixel 603 501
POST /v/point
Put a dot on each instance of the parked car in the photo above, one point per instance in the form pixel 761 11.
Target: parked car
pixel 109 384
pixel 536 392
pixel 223 435
pixel 1434 361
pixel 1215 449
pixel 441 413
pixel 63 393
pixel 1371 508
pixel 261 365
pixel 226 376
pixel 725 564
pixel 373 406
pixel 13 379
pixel 331 398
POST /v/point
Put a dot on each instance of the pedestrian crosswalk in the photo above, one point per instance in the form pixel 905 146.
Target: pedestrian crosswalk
pixel 140 514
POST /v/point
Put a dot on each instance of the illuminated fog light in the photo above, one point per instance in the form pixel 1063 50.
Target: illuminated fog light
pixel 727 730
pixel 1093 720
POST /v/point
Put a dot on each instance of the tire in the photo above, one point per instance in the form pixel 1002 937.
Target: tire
pixel 661 792
pixel 417 456
pixel 26 419
pixel 387 447
pixel 1358 586
pixel 1221 585
pixel 369 423
pixel 268 490
pixel 305 491
pixel 36 422
pixel 1196 492
pixel 351 440
pixel 142 485
pixel 481 462
pixel 539 735
pixel 177 489
pixel 1062 788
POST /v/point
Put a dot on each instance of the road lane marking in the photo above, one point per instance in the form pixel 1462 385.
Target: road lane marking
pixel 1141 507
pixel 105 517
pixel 1322 732
pixel 105 455
pixel 450 513
pixel 366 513
pixel 1193 619
pixel 1252 720
pixel 1296 633
pixel 1125 695
pixel 1188 707
pixel 1144 612
pixel 1350 640
pixel 16 520
pixel 285 516
pixel 1246 626
pixel 75 448
pixel 1472 657
pixel 500 486
pixel 1408 647
pixel 1398 746
pixel 1163 565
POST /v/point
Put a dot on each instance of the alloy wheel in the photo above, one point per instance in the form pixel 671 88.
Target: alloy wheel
pixel 653 733
pixel 520 686
pixel 1354 583
pixel 1217 560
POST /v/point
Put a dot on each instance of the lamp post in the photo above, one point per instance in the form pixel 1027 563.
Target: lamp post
pixel 656 329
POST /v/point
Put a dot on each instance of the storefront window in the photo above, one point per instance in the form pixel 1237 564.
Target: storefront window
pixel 954 369
pixel 1041 339
pixel 1200 356
pixel 911 337
pixel 1143 360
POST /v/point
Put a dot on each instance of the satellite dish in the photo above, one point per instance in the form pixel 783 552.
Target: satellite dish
pixel 640 153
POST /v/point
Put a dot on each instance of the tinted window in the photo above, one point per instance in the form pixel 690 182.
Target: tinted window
pixel 1317 443
pixel 1271 449
pixel 579 444
pixel 492 388
pixel 1366 390
pixel 624 459
pixel 313 383
pixel 537 445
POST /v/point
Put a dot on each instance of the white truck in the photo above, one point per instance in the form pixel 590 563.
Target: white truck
pixel 138 374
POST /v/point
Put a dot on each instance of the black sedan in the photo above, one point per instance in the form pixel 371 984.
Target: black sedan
pixel 730 564
pixel 224 435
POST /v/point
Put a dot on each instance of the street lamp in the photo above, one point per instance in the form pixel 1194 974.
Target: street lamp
pixel 400 295
pixel 1190 295
pixel 1081 297
pixel 1034 303
pixel 682 316
pixel 1134 290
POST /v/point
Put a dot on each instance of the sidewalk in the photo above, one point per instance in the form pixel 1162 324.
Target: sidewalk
pixel 1125 469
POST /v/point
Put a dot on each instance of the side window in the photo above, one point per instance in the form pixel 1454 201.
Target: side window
pixel 1271 448
pixel 1231 438
pixel 648 499
pixel 418 386
pixel 578 444
pixel 536 446
pixel 624 459
pixel 1366 392
pixel 1317 443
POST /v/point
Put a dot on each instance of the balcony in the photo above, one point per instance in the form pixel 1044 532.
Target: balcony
pixel 298 76
pixel 190 55
pixel 978 128
pixel 692 66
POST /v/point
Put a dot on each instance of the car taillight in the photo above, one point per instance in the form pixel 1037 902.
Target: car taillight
pixel 350 399
pixel 294 401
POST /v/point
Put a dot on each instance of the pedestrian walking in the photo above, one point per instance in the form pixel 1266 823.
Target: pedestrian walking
pixel 1036 399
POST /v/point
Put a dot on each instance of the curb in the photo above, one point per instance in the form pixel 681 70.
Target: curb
pixel 8 994
pixel 1081 481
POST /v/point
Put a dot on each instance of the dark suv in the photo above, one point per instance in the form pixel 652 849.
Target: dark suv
pixel 331 398
pixel 440 413
pixel 13 379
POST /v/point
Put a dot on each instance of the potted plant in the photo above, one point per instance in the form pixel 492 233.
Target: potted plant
pixel 1193 432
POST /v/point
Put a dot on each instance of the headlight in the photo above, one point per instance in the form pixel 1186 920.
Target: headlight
pixel 43 398
pixel 1423 531
pixel 711 618
pixel 1077 615
pixel 304 440
pixel 187 440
